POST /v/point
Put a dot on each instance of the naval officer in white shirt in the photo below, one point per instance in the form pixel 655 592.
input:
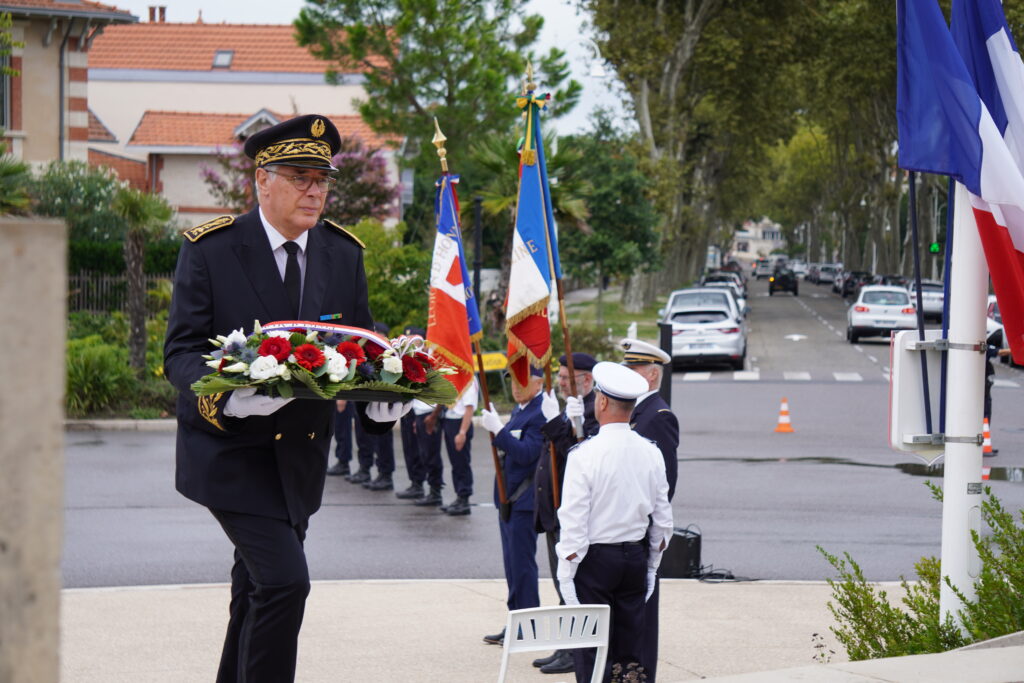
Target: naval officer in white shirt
pixel 616 521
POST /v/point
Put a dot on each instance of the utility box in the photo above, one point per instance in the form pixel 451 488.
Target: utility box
pixel 908 430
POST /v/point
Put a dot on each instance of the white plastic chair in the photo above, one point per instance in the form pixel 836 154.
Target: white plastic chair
pixel 566 627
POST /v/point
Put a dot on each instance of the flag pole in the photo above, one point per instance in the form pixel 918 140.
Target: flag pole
pixel 499 473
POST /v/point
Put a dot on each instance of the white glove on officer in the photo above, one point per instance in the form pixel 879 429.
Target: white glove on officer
pixel 380 411
pixel 566 572
pixel 652 578
pixel 574 407
pixel 490 420
pixel 549 405
pixel 245 402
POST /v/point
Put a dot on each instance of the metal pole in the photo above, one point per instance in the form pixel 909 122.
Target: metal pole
pixel 665 342
pixel 961 482
pixel 946 282
pixel 478 245
pixel 916 243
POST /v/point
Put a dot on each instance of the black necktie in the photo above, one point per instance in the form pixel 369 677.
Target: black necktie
pixel 293 277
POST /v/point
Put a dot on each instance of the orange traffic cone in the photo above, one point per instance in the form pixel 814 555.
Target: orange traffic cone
pixel 986 448
pixel 986 472
pixel 784 426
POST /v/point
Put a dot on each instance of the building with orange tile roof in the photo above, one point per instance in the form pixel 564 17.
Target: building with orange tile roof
pixel 44 106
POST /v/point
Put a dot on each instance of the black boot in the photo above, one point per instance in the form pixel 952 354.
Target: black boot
pixel 359 477
pixel 432 499
pixel 562 664
pixel 459 507
pixel 338 469
pixel 381 483
pixel 413 492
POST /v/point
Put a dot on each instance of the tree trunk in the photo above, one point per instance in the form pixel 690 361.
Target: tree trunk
pixel 134 251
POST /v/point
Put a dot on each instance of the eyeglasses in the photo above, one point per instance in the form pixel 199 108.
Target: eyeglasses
pixel 303 182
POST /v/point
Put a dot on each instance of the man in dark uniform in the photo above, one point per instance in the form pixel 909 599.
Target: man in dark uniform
pixel 653 419
pixel 259 463
pixel 519 443
pixel 560 431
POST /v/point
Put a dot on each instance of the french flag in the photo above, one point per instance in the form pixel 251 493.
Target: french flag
pixel 960 112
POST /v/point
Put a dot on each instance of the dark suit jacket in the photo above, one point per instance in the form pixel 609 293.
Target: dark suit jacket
pixel 272 466
pixel 653 419
pixel 521 443
pixel 558 431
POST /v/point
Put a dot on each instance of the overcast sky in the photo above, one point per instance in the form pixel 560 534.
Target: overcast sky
pixel 562 27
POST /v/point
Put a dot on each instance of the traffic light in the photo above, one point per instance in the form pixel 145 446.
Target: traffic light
pixel 935 248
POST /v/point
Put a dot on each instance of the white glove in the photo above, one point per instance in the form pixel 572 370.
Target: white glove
pixel 652 581
pixel 549 405
pixel 491 421
pixel 245 402
pixel 574 407
pixel 568 589
pixel 379 411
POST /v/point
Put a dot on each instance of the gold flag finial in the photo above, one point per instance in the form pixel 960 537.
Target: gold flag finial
pixel 530 85
pixel 439 140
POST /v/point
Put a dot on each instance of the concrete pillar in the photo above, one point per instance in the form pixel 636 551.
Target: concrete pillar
pixel 33 312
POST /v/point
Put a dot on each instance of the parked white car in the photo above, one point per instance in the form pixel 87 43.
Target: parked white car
pixel 932 297
pixel 879 311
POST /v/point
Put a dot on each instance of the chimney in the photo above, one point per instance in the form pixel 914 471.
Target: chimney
pixel 152 13
pixel 163 13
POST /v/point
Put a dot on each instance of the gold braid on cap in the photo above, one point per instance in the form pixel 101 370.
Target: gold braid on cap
pixel 293 149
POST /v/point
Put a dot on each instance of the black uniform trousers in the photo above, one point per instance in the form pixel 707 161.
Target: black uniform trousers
pixel 343 432
pixel 411 450
pixel 616 575
pixel 269 585
pixel 462 473
pixel 380 445
pixel 429 453
pixel 552 538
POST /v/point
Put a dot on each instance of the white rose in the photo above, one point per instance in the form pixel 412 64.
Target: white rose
pixel 337 365
pixel 393 364
pixel 283 334
pixel 264 367
pixel 236 337
pixel 284 373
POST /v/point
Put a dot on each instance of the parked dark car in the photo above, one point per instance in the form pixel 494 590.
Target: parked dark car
pixel 853 281
pixel 783 280
pixel 891 280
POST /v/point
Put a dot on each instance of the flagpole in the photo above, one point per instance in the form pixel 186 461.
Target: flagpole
pixel 499 473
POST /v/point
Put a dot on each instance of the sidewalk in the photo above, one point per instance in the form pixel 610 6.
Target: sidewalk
pixel 410 631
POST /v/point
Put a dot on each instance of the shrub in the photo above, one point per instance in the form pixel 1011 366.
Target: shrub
pixel 98 375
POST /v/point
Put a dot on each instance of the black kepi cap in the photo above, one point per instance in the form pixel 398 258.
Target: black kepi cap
pixel 581 362
pixel 306 141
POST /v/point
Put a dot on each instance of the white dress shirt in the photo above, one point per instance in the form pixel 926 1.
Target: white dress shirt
pixel 613 482
pixel 277 241
pixel 468 399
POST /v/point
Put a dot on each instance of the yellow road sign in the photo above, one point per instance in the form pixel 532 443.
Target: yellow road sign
pixel 494 360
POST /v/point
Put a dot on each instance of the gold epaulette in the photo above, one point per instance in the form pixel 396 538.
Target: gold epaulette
pixel 193 234
pixel 345 232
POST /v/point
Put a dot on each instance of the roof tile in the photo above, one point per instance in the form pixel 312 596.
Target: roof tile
pixel 80 7
pixel 97 131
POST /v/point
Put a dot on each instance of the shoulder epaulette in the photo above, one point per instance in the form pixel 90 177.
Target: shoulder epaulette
pixel 193 234
pixel 345 232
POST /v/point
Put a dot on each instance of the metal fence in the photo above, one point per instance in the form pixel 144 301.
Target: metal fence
pixel 102 293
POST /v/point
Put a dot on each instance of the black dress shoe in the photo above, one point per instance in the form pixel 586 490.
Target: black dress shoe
pixel 432 499
pixel 546 660
pixel 414 491
pixel 358 477
pixel 381 483
pixel 563 664
pixel 338 469
pixel 459 507
pixel 496 639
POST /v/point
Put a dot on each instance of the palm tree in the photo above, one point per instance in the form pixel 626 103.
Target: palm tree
pixel 145 216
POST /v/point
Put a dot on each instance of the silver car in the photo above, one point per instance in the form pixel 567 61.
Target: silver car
pixel 932 297
pixel 707 327
pixel 879 311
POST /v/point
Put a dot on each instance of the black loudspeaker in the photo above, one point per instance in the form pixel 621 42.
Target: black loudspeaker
pixel 682 557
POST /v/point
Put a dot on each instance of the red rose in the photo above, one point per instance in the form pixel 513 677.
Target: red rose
pixel 300 330
pixel 352 350
pixel 373 350
pixel 425 359
pixel 412 370
pixel 278 347
pixel 309 357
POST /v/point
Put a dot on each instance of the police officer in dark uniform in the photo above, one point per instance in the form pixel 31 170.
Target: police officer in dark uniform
pixel 559 430
pixel 653 419
pixel 259 463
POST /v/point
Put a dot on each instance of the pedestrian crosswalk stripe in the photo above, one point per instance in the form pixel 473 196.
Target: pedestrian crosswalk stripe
pixel 797 376
pixel 1005 383
pixel 697 377
pixel 746 376
pixel 847 376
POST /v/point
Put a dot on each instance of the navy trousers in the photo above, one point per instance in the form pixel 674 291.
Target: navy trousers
pixel 269 585
pixel 614 575
pixel 369 445
pixel 430 452
pixel 462 473
pixel 411 450
pixel 519 555
pixel 343 432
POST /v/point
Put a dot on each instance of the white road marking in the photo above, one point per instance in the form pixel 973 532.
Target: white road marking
pixel 746 375
pixel 797 376
pixel 697 377
pixel 1005 383
pixel 872 359
pixel 847 376
pixel 796 337
pixel 857 346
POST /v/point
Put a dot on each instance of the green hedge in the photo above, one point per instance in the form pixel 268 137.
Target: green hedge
pixel 108 257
